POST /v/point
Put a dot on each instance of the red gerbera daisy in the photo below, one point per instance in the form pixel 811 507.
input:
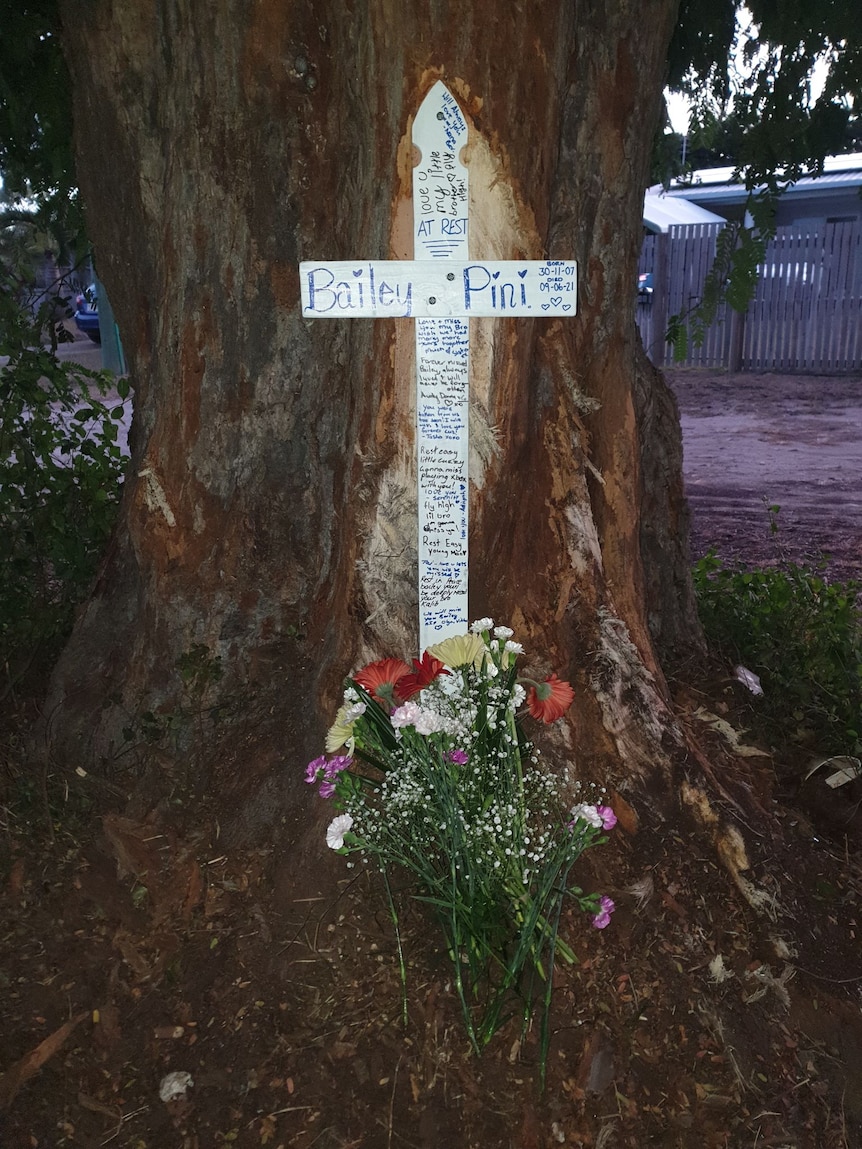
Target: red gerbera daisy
pixel 379 678
pixel 423 672
pixel 550 700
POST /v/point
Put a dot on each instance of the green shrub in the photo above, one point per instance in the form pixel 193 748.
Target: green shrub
pixel 802 636
pixel 60 481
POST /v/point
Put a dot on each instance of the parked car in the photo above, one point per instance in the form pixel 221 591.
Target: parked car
pixel 645 285
pixel 87 313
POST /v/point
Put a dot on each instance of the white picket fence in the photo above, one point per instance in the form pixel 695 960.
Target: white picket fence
pixel 806 315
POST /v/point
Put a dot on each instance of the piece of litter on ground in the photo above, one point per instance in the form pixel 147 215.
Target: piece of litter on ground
pixel 848 768
pixel 748 678
pixel 173 1086
pixel 845 774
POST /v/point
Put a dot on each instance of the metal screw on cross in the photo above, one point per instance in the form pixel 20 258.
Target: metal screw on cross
pixel 441 290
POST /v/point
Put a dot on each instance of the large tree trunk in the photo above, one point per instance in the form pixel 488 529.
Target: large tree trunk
pixel 269 515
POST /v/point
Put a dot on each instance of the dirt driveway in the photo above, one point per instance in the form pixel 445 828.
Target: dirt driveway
pixel 754 441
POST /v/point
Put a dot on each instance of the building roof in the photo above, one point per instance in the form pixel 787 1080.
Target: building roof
pixel 716 185
pixel 662 212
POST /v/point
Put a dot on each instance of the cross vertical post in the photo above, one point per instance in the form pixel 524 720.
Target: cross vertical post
pixel 440 221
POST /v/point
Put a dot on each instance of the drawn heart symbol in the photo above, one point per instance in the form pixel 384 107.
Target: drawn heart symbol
pixel 567 307
pixel 556 300
pixel 545 306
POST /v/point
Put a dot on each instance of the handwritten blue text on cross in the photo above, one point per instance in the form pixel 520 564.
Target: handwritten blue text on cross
pixel 435 289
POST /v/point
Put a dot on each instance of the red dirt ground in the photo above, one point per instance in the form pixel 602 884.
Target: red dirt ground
pixel 754 441
pixel 136 944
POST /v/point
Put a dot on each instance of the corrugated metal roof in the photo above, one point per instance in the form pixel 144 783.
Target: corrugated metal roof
pixel 715 184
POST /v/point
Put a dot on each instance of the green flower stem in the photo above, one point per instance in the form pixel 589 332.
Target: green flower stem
pixel 393 913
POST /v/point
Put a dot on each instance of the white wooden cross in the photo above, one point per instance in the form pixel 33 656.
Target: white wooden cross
pixel 441 289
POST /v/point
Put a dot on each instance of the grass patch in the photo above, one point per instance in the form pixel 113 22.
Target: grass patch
pixel 802 635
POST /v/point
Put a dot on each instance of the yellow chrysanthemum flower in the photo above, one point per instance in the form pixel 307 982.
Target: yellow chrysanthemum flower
pixel 460 650
pixel 340 734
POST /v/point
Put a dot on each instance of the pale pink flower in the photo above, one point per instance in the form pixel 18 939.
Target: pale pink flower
pixel 411 714
pixel 406 715
pixel 586 813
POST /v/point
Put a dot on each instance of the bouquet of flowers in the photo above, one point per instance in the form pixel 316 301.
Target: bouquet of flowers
pixel 431 772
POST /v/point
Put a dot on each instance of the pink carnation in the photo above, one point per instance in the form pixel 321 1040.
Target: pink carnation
pixel 603 917
pixel 608 817
pixel 335 765
pixel 330 768
pixel 313 769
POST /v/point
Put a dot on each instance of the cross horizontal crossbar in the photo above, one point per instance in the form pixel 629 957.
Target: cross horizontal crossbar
pixel 379 289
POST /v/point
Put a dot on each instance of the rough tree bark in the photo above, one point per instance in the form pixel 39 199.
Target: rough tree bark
pixel 269 510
